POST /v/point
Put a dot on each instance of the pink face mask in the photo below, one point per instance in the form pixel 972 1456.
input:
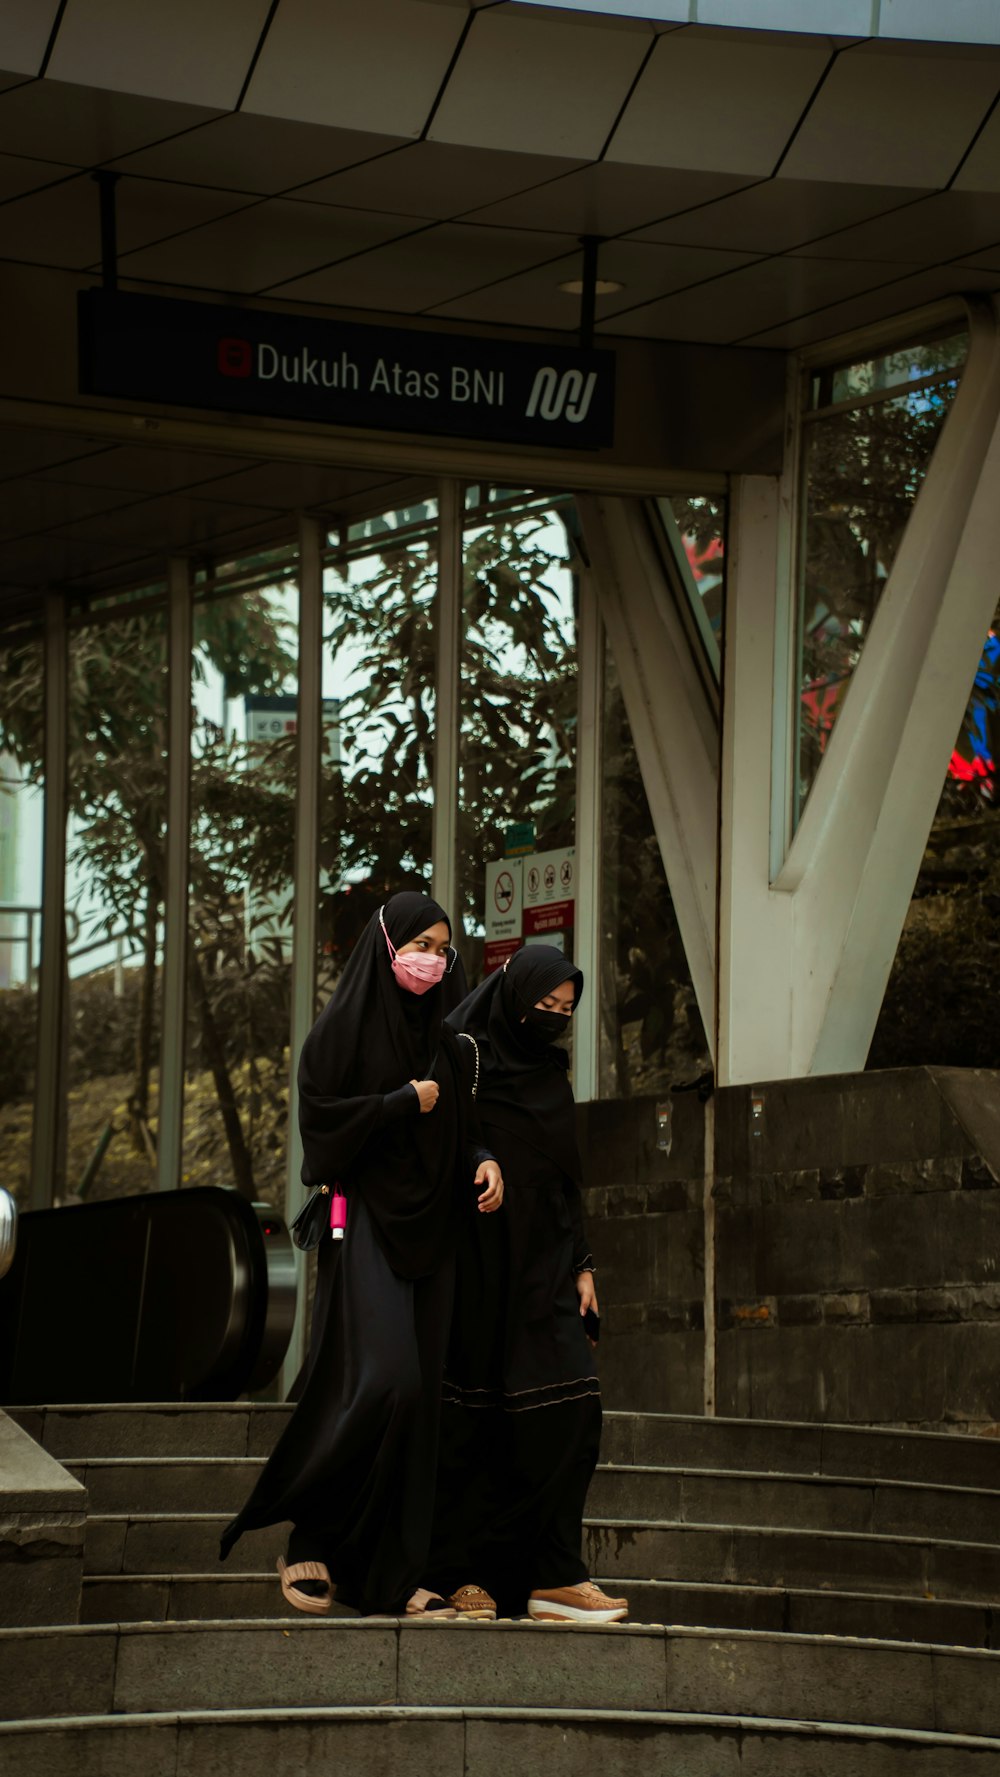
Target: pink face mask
pixel 414 971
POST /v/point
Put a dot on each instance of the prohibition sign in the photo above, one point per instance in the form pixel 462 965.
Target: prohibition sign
pixel 503 891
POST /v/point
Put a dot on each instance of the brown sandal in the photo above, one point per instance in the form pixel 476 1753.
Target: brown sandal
pixel 422 1603
pixel 474 1604
pixel 305 1570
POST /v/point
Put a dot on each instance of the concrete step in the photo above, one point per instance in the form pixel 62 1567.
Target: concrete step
pixel 76 1433
pixel 173 1485
pixel 809 1560
pixel 165 1543
pixel 395 1741
pixel 222 1596
pixel 145 1668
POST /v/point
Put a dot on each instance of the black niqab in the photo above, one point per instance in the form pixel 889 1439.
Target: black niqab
pixel 523 1086
pixel 371 1038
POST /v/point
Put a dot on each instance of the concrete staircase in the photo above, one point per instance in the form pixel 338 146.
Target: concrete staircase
pixel 830 1595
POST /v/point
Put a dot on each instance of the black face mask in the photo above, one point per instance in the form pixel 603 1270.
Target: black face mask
pixel 547 1027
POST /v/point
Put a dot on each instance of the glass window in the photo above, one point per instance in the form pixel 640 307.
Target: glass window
pixel 940 1003
pixel 243 785
pixel 869 436
pixel 695 529
pixel 517 761
pixel 21 829
pixel 116 723
pixel 651 1031
pixel 379 592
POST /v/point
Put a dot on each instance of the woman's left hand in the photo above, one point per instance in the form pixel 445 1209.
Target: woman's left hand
pixel 586 1292
pixel 489 1174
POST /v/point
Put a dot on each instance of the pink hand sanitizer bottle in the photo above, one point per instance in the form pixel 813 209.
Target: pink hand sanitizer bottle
pixel 338 1214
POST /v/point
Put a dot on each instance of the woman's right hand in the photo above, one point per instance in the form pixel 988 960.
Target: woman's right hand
pixel 427 1093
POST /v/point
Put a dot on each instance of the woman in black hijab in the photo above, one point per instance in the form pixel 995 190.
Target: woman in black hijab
pixel 387 1112
pixel 522 1417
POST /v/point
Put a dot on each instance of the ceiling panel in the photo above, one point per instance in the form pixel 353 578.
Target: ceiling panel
pixel 427 269
pixel 715 102
pixel 176 522
pixel 362 64
pixel 535 299
pixel 949 225
pixel 759 296
pixel 61 225
pixel 608 200
pixel 870 124
pixel 44 505
pixel 170 49
pixel 897 298
pixel 24 451
pixel 437 180
pixel 142 469
pixel 259 154
pixel 298 486
pixel 56 121
pixel 263 245
pixel 540 84
pixel 981 171
pixel 777 214
pixel 25 29
pixel 18 176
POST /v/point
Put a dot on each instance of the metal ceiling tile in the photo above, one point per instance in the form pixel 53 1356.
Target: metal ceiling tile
pixel 897 298
pixel 427 269
pixel 947 225
pixel 540 84
pixel 894 117
pixel 436 180
pixel 61 225
pixel 777 215
pixel 535 298
pixel 55 121
pixel 257 154
pixel 263 245
pixel 760 296
pixel 717 103
pixel 25 451
pixel 144 469
pixel 360 64
pixel 18 176
pixel 25 29
pixel 981 171
pixel 177 521
pixel 29 506
pixel 608 200
pixel 169 49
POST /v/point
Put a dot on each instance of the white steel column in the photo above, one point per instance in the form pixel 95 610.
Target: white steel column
pixel 805 957
pixel 49 1109
pixel 587 931
pixel 447 711
pixel 673 726
pixel 309 733
pixel 169 1128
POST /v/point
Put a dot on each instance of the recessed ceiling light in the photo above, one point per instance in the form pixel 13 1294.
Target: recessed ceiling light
pixel 603 287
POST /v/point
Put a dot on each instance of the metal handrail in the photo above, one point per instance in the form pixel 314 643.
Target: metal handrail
pixel 8 1231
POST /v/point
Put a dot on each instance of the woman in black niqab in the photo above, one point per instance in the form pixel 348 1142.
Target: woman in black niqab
pixel 387 1113
pixel 522 1417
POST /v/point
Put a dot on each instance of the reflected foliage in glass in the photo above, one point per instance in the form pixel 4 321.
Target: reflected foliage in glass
pixel 21 807
pixel 869 436
pixel 651 1030
pixel 518 690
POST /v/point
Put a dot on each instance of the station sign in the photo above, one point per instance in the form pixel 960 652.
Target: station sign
pixel 317 369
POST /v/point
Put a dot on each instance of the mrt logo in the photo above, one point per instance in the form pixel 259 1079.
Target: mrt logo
pixel 235 357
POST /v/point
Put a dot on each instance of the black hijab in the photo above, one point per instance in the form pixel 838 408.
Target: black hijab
pixel 523 1086
pixel 370 1039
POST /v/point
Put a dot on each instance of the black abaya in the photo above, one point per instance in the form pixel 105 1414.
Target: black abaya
pixel 354 1469
pixel 522 1416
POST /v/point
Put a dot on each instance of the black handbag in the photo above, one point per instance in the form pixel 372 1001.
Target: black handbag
pixel 313 1220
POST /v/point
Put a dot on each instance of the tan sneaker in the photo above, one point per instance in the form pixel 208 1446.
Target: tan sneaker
pixel 585 1603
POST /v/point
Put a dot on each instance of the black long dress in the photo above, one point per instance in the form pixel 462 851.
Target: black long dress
pixel 522 1417
pixel 354 1469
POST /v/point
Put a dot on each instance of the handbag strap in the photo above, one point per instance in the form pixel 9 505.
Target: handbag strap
pixel 475 1049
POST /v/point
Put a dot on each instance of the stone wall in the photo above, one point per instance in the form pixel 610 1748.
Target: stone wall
pixel 857 1250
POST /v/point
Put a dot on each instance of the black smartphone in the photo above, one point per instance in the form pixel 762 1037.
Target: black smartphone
pixel 592 1325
